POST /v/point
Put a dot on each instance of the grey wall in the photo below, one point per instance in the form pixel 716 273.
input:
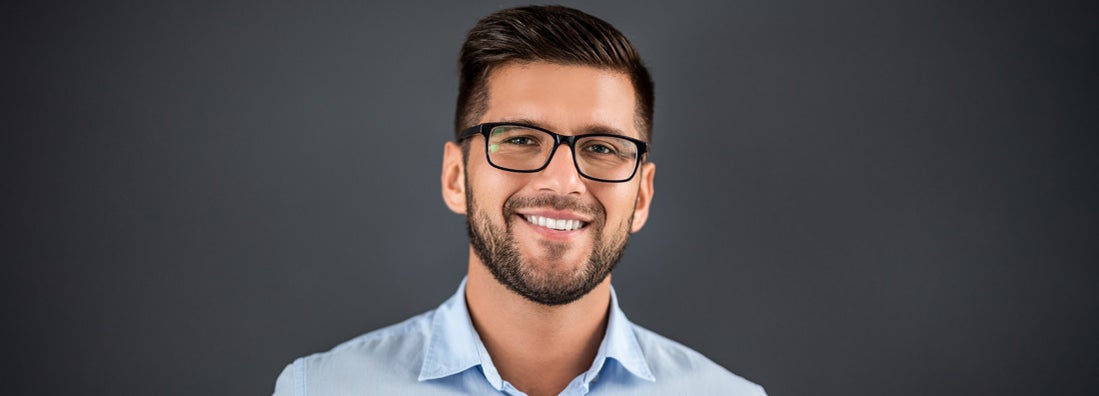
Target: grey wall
pixel 852 197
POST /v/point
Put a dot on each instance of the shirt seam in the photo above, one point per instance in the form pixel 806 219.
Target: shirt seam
pixel 300 366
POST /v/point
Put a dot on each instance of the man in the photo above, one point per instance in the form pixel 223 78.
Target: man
pixel 553 122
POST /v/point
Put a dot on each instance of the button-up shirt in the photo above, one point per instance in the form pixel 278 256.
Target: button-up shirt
pixel 440 353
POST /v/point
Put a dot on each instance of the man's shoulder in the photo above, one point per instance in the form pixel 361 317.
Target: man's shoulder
pixel 390 354
pixel 677 366
pixel 394 341
pixel 394 338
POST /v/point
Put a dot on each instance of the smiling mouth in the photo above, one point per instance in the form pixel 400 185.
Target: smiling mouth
pixel 555 224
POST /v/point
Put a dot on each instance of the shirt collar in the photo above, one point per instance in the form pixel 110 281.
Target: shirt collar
pixel 454 345
pixel 620 343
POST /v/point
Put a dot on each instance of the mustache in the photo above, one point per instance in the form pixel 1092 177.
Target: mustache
pixel 557 202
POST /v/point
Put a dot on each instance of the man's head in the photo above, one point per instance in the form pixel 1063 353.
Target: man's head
pixel 550 34
pixel 554 234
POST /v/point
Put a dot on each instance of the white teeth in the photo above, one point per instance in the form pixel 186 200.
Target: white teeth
pixel 556 224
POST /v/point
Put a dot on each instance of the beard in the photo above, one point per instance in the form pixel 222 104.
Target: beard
pixel 498 250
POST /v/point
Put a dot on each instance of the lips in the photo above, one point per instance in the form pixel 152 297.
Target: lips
pixel 555 217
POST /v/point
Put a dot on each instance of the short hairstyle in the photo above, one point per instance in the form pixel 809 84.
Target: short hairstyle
pixel 552 34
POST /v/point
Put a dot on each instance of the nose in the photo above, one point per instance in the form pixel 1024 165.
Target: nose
pixel 560 175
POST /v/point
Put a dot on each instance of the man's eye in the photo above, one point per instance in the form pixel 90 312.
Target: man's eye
pixel 600 149
pixel 521 140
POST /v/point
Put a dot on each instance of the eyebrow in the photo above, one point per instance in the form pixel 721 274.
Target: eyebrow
pixel 586 130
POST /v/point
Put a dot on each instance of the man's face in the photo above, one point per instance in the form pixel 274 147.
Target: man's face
pixel 551 264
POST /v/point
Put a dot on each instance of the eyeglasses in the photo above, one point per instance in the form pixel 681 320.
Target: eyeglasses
pixel 528 149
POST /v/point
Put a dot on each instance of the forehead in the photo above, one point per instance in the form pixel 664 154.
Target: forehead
pixel 567 99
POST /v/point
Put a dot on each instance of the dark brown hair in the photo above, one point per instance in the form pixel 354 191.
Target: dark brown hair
pixel 553 34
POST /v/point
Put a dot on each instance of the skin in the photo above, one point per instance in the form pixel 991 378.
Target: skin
pixel 539 349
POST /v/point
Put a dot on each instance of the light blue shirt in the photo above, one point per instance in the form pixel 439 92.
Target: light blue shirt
pixel 440 353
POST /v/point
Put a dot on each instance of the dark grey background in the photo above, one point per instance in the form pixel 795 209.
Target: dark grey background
pixel 852 197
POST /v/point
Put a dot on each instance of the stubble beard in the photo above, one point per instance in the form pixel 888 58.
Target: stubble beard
pixel 499 251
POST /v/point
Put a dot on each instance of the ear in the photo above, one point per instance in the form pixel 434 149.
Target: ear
pixel 644 196
pixel 453 178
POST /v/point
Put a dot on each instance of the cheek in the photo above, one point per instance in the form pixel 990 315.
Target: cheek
pixel 489 187
pixel 618 201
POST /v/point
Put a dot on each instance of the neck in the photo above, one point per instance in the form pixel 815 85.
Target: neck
pixel 539 349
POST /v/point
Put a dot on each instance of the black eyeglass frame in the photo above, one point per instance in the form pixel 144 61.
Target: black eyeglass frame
pixel 483 130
